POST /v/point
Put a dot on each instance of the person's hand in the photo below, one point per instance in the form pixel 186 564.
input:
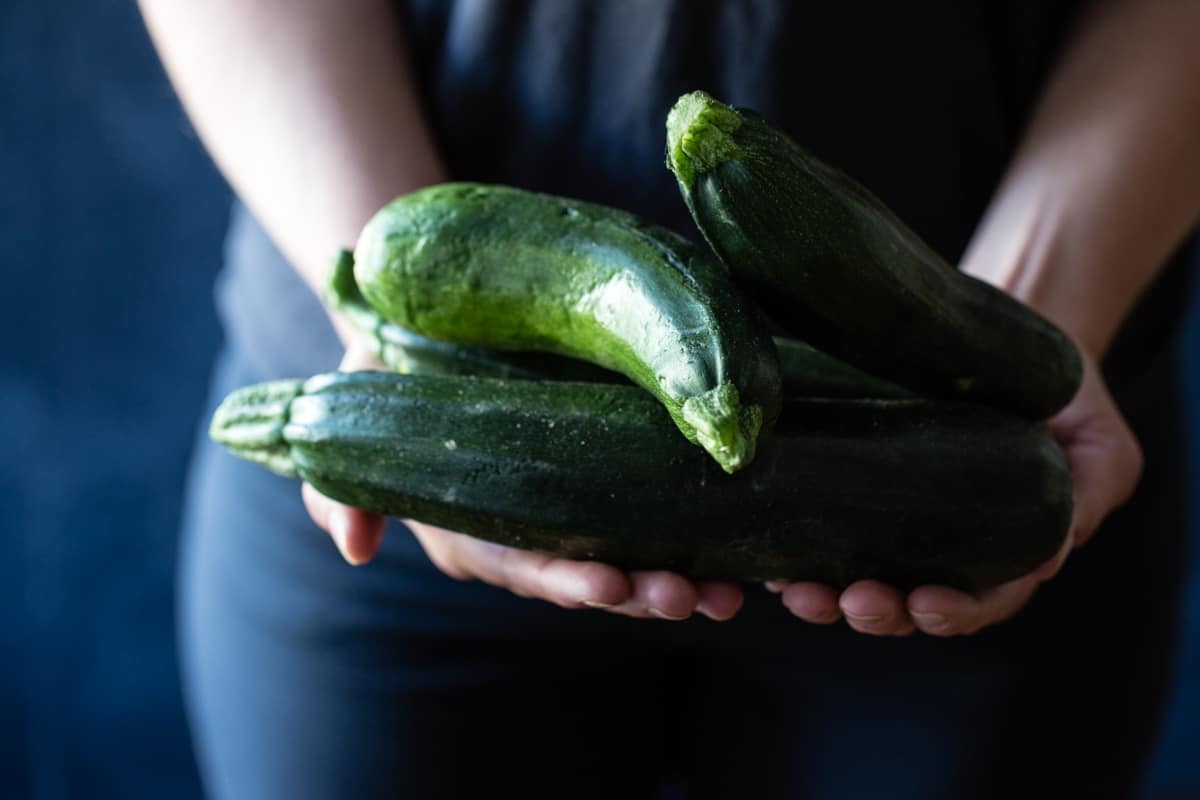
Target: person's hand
pixel 1106 462
pixel 570 584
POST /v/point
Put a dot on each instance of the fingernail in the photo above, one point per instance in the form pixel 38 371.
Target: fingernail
pixel 825 618
pixel 711 614
pixel 928 618
pixel 775 586
pixel 597 604
pixel 866 620
pixel 663 615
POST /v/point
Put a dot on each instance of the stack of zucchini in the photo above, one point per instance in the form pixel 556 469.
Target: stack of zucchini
pixel 569 379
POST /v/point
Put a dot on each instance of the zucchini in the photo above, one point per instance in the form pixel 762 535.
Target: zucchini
pixel 411 353
pixel 905 491
pixel 499 267
pixel 806 371
pixel 835 267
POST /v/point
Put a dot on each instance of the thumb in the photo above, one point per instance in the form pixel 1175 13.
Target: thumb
pixel 1106 471
pixel 1105 457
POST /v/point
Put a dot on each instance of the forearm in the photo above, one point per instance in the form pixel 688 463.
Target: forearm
pixel 307 108
pixel 1106 182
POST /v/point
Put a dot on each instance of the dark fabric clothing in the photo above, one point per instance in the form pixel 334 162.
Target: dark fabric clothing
pixel 308 678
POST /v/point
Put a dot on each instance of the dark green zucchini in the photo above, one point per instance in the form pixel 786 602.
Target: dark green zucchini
pixel 905 491
pixel 499 267
pixel 836 268
pixel 809 373
pixel 806 371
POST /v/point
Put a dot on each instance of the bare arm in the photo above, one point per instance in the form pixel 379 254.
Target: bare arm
pixel 1105 185
pixel 307 107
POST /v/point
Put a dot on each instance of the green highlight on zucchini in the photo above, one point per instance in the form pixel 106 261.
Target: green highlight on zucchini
pixel 412 354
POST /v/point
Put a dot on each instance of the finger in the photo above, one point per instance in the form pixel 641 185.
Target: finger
pixel 718 600
pixel 660 594
pixel 812 602
pixel 359 358
pixel 439 545
pixel 874 608
pixel 1106 460
pixel 356 533
pixel 571 584
pixel 1051 568
pixel 942 611
pixel 1105 470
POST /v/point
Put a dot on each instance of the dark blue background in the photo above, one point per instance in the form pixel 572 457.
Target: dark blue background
pixel 111 224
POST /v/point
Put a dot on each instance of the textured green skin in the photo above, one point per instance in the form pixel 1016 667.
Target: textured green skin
pixel 806 371
pixel 836 268
pixel 498 267
pixel 905 491
pixel 411 353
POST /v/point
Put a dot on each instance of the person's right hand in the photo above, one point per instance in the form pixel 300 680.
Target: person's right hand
pixel 1106 462
pixel 570 584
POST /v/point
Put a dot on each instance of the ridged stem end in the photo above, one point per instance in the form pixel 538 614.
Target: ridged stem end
pixel 724 428
pixel 250 423
pixel 700 136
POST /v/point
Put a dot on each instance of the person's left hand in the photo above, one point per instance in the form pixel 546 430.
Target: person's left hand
pixel 1106 462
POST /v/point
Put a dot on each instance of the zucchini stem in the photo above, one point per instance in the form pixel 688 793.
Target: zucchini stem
pixel 700 136
pixel 250 422
pixel 723 427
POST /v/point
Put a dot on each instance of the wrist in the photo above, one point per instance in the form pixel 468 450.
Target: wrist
pixel 1039 246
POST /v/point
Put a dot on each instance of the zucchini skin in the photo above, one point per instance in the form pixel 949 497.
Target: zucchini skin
pixel 413 354
pixel 808 372
pixel 905 491
pixel 805 371
pixel 495 266
pixel 836 268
